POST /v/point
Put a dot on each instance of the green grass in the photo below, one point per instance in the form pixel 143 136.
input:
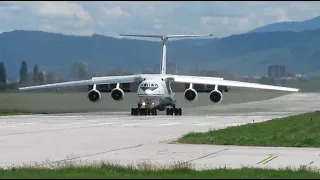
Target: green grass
pixel 292 131
pixel 147 170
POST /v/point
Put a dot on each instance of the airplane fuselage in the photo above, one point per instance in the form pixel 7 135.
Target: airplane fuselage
pixel 155 92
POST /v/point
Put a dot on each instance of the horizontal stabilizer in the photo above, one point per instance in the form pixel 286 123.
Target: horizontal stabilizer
pixel 164 39
pixel 165 36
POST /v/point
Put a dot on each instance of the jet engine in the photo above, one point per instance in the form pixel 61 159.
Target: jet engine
pixel 117 94
pixel 190 95
pixel 94 95
pixel 216 96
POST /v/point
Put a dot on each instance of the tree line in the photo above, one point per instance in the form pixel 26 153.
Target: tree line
pixel 36 76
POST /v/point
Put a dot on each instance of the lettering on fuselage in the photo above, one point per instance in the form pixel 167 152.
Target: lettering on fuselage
pixel 150 86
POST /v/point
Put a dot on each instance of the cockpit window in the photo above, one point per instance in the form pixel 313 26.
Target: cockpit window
pixel 151 86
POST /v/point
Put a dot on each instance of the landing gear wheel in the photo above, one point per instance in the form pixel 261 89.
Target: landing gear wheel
pixel 180 111
pixel 174 111
pixel 169 111
pixel 134 111
pixel 154 112
pixel 143 112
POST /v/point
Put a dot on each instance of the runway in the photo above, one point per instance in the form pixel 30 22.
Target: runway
pixel 119 136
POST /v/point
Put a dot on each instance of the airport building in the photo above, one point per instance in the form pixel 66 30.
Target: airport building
pixel 276 71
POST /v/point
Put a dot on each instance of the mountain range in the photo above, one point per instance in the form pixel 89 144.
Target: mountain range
pixel 244 54
pixel 300 26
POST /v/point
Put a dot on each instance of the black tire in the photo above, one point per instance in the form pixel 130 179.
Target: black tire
pixel 171 111
pixel 134 111
pixel 176 112
pixel 180 111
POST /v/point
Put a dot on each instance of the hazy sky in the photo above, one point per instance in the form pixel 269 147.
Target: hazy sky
pixel 111 18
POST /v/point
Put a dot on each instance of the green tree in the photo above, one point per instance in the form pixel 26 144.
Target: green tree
pixel 3 76
pixel 82 73
pixel 23 73
pixel 79 70
pixel 50 77
pixel 41 78
pixel 36 73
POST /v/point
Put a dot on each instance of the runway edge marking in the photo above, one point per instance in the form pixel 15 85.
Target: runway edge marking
pixel 270 158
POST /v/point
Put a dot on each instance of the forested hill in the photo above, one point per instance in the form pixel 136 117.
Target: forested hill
pixel 244 54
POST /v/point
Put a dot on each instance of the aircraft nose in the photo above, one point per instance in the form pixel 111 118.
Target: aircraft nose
pixel 148 91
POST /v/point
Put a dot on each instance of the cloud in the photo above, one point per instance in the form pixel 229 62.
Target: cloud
pixel 157 26
pixel 224 20
pixel 280 14
pixel 113 17
pixel 63 9
pixel 114 12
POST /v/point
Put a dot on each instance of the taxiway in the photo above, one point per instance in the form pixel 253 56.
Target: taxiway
pixel 126 139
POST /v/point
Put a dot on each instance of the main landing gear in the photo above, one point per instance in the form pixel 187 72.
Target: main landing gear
pixel 174 111
pixel 153 112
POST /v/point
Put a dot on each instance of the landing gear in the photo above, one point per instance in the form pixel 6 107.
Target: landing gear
pixel 175 111
pixel 153 112
pixel 143 112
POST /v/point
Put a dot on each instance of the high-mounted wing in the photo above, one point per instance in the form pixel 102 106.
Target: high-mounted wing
pixel 95 80
pixel 228 83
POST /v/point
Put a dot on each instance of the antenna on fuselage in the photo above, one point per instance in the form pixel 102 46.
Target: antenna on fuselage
pixel 164 38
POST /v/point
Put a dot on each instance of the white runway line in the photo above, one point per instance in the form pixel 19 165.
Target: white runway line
pixel 21 124
pixel 168 124
pixel 14 123
pixel 67 124
pixel 7 126
pixel 236 124
pixel 134 124
pixel 101 124
pixel 4 123
pixel 93 121
pixel 201 124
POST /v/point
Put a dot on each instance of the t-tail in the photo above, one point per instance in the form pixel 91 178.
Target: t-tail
pixel 164 38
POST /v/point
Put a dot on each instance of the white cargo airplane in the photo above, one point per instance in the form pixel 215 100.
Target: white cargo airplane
pixel 154 92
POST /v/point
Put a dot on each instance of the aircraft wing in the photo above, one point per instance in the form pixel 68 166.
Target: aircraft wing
pixel 228 83
pixel 95 80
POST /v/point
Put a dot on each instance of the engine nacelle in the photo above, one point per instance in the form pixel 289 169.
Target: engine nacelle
pixel 216 96
pixel 190 95
pixel 94 95
pixel 117 94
